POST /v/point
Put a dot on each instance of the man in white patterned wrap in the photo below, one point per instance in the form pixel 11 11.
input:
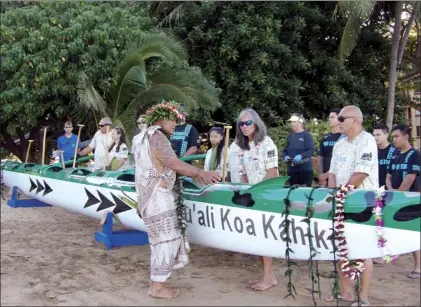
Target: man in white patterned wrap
pixel 156 168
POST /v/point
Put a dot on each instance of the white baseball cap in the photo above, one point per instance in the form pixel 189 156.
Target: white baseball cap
pixel 296 118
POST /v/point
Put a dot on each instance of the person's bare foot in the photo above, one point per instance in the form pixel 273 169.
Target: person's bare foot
pixel 264 284
pixel 167 293
pixel 345 298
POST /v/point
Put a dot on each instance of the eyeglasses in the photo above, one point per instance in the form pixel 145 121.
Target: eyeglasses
pixel 247 123
pixel 341 118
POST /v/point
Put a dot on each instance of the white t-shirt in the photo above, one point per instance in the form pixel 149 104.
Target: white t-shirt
pixel 123 153
pixel 356 156
pixel 254 162
pixel 220 167
pixel 99 141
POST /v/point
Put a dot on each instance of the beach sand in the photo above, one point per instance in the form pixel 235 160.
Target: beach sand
pixel 49 257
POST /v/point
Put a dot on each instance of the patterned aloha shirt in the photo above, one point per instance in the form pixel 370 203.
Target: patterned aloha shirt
pixel 356 156
pixel 254 162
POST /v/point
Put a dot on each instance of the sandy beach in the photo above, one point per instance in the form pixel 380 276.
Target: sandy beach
pixel 49 257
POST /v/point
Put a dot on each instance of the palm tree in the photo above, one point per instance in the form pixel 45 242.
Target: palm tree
pixel 155 68
pixel 357 13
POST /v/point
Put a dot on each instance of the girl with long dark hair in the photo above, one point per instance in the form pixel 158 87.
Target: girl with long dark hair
pixel 215 156
pixel 118 151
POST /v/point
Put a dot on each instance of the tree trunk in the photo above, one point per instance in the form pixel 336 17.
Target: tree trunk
pixel 393 74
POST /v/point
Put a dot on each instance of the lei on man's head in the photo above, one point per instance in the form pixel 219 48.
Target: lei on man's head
pixel 165 110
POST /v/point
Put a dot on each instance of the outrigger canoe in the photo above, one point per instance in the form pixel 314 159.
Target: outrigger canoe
pixel 234 217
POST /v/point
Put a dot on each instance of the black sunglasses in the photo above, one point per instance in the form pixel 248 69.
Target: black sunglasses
pixel 247 123
pixel 341 118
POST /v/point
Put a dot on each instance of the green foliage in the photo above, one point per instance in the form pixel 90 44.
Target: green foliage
pixel 46 46
pixel 153 69
pixel 279 58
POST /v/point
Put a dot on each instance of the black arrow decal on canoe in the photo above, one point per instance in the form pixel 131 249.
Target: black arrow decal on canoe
pixel 121 205
pixel 48 189
pixel 33 185
pixel 40 187
pixel 105 202
pixel 408 213
pixel 92 200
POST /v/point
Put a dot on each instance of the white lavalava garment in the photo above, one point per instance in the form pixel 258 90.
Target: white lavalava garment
pixel 156 205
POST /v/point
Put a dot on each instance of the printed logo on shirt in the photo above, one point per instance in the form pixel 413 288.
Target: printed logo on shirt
pixel 366 156
pixel 271 153
pixel 341 159
pixel 301 139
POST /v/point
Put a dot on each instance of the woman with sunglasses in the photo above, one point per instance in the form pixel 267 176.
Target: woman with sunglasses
pixel 118 151
pixel 254 159
pixel 298 152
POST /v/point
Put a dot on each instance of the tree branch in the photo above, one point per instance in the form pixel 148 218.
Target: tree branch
pixel 405 37
pixel 410 77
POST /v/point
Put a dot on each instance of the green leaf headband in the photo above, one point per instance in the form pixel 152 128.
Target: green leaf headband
pixel 164 110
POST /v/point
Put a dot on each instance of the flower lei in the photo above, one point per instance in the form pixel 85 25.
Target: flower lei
pixel 378 213
pixel 351 271
pixel 164 110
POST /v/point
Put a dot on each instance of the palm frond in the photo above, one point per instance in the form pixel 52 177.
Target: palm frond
pixel 89 97
pixel 198 90
pixel 132 71
pixel 89 107
pixel 357 12
pixel 176 14
pixel 160 45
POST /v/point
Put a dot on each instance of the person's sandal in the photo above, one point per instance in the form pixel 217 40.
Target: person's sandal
pixel 414 275
pixel 362 303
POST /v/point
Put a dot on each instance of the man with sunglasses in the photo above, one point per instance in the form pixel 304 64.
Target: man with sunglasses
pixel 355 162
pixel 100 142
pixel 67 142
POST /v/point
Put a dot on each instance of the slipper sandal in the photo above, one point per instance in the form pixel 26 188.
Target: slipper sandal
pixel 414 275
pixel 361 303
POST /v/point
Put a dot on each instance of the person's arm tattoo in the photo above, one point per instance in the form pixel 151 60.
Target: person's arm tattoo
pixel 162 148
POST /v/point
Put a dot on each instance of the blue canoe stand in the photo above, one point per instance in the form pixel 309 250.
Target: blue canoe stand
pixel 107 236
pixel 119 238
pixel 15 202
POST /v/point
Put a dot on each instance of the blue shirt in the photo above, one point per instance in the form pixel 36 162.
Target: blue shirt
pixel 68 146
pixel 299 144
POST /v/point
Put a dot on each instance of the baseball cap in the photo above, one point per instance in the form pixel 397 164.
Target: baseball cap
pixel 297 117
pixel 105 121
